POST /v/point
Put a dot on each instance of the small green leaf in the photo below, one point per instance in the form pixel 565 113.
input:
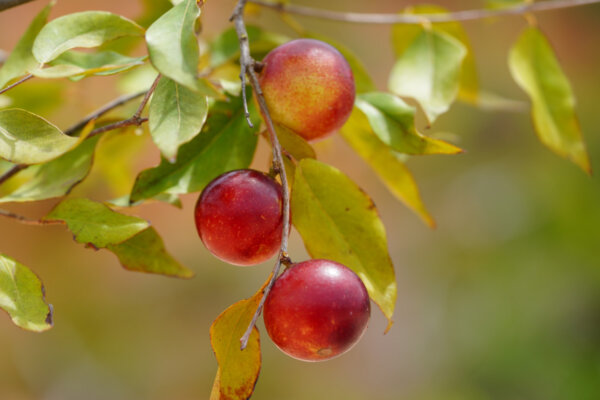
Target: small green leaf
pixel 173 45
pixel 57 177
pixel 385 162
pixel 22 296
pixel 94 223
pixel 429 71
pixel 394 123
pixel 536 70
pixel 294 144
pixel 74 63
pixel 339 222
pixel 145 252
pixel 238 369
pixel 177 115
pixel 226 143
pixel 26 138
pixel 83 29
pixel 21 59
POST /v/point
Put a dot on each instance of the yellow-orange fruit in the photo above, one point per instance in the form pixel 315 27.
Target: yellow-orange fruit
pixel 309 87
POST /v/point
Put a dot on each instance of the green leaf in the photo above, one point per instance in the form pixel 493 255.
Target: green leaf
pixel 536 70
pixel 83 29
pixel 496 4
pixel 177 115
pixel 429 71
pixel 404 34
pixel 294 144
pixel 226 46
pixel 238 369
pixel 74 63
pixel 58 177
pixel 26 138
pixel 394 123
pixel 173 45
pixel 22 296
pixel 385 162
pixel 153 9
pixel 364 82
pixel 94 223
pixel 226 143
pixel 145 252
pixel 339 222
pixel 21 58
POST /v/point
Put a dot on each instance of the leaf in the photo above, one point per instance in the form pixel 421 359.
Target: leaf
pixel 385 162
pixel 177 115
pixel 364 82
pixel 339 222
pixel 74 63
pixel 238 369
pixel 26 138
pixel 293 143
pixel 226 143
pixel 22 296
pixel 173 46
pixel 428 71
pixel 536 70
pixel 145 252
pixel 94 223
pixel 404 34
pixel 394 123
pixel 83 29
pixel 58 177
pixel 21 59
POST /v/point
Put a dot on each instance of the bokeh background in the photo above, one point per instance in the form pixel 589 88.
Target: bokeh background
pixel 501 301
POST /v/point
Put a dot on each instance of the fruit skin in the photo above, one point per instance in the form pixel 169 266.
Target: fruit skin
pixel 308 86
pixel 239 217
pixel 317 310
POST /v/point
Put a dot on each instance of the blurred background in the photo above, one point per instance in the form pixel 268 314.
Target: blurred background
pixel 501 301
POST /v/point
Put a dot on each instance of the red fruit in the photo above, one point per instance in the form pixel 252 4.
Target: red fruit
pixel 308 86
pixel 317 310
pixel 239 217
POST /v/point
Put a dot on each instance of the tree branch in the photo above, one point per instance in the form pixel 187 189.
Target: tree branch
pixel 6 4
pixel 17 83
pixel 28 221
pixel 248 65
pixel 466 15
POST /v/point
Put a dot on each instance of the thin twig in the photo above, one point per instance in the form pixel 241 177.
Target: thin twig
pixel 103 110
pixel 15 169
pixel 17 83
pixel 248 65
pixel 146 98
pixel 466 15
pixel 6 4
pixel 121 124
pixel 28 221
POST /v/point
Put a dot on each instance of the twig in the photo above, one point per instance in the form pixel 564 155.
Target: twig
pixel 146 98
pixel 248 65
pixel 103 110
pixel 121 124
pixel 6 4
pixel 28 221
pixel 17 83
pixel 11 172
pixel 466 15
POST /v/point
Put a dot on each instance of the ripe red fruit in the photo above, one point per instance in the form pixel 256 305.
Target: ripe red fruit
pixel 317 310
pixel 239 217
pixel 308 86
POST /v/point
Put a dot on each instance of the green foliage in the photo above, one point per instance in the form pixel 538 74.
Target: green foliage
pixel 22 296
pixel 339 222
pixel 78 64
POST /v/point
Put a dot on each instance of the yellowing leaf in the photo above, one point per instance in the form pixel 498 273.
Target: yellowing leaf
pixel 339 222
pixel 393 121
pixel 238 369
pixel 428 71
pixel 22 296
pixel 536 70
pixel 385 162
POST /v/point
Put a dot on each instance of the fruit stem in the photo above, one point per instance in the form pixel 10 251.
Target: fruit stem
pixel 249 67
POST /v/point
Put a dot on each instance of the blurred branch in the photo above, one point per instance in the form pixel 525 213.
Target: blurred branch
pixel 17 83
pixel 6 4
pixel 249 66
pixel 466 15
pixel 24 220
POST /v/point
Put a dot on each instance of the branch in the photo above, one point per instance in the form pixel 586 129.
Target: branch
pixel 467 15
pixel 6 4
pixel 11 172
pixel 248 65
pixel 28 221
pixel 17 83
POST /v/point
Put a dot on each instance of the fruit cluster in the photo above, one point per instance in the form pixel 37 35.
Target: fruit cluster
pixel 317 309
